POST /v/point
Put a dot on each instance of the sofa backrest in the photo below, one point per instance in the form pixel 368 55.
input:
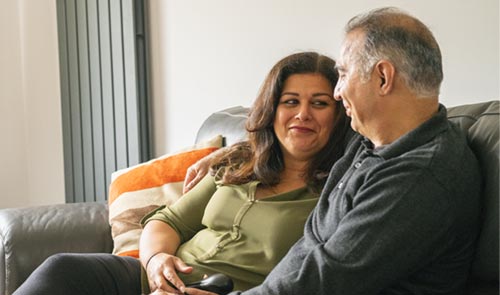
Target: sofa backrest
pixel 230 123
pixel 480 122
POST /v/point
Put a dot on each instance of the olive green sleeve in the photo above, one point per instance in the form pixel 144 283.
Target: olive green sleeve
pixel 185 215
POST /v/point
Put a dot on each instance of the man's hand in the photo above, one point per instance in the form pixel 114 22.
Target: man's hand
pixel 195 173
pixel 162 273
pixel 199 169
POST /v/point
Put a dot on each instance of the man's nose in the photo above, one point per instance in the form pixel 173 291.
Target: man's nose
pixel 336 92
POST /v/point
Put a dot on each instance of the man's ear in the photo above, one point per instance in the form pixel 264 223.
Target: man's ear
pixel 385 71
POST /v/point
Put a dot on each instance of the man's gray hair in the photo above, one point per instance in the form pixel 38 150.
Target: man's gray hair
pixel 406 42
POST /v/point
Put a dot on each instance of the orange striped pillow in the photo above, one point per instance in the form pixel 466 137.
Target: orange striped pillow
pixel 137 190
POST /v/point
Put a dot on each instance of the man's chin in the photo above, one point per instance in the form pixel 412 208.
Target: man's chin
pixel 354 126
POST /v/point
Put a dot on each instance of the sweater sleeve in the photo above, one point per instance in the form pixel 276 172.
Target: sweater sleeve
pixel 400 220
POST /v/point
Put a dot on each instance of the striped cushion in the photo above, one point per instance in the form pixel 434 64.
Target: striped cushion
pixel 137 190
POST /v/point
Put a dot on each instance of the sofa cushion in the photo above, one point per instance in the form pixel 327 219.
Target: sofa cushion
pixel 481 124
pixel 139 189
pixel 229 122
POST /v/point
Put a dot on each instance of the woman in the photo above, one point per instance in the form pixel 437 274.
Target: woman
pixel 242 218
pixel 295 134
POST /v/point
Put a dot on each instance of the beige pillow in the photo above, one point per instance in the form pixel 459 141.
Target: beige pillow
pixel 137 190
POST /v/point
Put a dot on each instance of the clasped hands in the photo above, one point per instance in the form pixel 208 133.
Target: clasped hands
pixel 163 279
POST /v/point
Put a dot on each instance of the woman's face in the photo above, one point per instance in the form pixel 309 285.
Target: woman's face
pixel 304 116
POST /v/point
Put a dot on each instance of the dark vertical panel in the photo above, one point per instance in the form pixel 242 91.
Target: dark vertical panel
pixel 74 96
pixel 85 100
pixel 96 96
pixel 131 93
pixel 142 71
pixel 65 101
pixel 107 89
pixel 104 104
pixel 118 84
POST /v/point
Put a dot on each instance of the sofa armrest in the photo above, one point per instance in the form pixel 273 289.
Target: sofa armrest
pixel 29 235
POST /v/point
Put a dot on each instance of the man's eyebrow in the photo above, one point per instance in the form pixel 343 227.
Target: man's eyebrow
pixel 339 67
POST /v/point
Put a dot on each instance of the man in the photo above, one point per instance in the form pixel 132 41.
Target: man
pixel 399 213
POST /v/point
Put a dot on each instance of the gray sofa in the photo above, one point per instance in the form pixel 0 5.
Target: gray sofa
pixel 29 235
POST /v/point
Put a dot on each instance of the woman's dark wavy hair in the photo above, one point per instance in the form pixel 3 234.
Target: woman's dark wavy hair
pixel 260 158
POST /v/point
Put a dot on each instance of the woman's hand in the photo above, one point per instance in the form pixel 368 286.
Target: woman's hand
pixel 194 291
pixel 189 291
pixel 162 273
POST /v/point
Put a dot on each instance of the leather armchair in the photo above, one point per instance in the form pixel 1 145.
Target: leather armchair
pixel 29 235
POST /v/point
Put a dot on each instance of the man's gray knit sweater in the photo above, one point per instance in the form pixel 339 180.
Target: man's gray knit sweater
pixel 401 219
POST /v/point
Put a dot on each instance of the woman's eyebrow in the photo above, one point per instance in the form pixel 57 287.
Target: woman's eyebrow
pixel 322 93
pixel 289 93
pixel 314 94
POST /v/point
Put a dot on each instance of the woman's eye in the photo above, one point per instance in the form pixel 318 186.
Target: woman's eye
pixel 319 103
pixel 291 101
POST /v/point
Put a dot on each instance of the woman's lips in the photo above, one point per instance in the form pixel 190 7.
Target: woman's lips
pixel 301 129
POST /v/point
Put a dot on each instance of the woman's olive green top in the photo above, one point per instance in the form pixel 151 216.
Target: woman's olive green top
pixel 224 229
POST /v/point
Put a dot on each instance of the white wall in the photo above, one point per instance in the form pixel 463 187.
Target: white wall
pixel 13 164
pixel 210 55
pixel 207 55
pixel 31 155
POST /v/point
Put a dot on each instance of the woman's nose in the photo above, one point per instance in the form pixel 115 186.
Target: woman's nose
pixel 304 113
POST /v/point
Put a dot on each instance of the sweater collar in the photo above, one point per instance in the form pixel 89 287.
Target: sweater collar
pixel 411 140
